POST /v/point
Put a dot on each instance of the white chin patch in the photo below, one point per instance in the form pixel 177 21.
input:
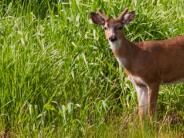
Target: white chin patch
pixel 114 45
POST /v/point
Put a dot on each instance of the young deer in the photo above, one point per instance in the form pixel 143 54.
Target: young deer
pixel 147 64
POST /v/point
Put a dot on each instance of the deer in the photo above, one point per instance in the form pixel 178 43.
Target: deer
pixel 147 64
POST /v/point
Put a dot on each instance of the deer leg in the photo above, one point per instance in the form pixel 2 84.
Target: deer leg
pixel 152 98
pixel 142 96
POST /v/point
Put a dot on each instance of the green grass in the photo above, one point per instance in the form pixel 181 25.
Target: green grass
pixel 59 78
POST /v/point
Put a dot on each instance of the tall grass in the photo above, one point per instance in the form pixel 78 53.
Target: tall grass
pixel 58 76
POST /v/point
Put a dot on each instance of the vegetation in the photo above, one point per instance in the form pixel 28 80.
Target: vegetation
pixel 58 76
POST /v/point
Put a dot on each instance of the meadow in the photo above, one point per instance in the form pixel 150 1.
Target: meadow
pixel 59 77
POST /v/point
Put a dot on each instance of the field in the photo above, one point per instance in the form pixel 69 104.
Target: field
pixel 59 78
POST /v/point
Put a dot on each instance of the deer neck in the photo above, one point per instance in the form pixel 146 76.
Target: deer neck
pixel 124 51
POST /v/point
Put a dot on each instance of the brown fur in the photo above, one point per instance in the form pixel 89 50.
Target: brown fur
pixel 154 62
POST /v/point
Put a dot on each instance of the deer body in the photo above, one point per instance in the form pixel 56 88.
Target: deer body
pixel 147 64
pixel 161 61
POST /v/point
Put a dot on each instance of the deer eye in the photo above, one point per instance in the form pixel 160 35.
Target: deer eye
pixel 105 28
pixel 119 27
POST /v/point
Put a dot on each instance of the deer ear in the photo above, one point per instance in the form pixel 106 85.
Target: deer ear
pixel 127 17
pixel 97 18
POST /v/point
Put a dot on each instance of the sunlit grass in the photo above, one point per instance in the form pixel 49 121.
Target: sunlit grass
pixel 59 78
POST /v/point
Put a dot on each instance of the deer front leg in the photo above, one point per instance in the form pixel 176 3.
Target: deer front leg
pixel 142 96
pixel 152 98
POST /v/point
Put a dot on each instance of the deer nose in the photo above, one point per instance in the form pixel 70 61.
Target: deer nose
pixel 113 38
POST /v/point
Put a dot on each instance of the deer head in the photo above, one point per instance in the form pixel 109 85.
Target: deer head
pixel 113 27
